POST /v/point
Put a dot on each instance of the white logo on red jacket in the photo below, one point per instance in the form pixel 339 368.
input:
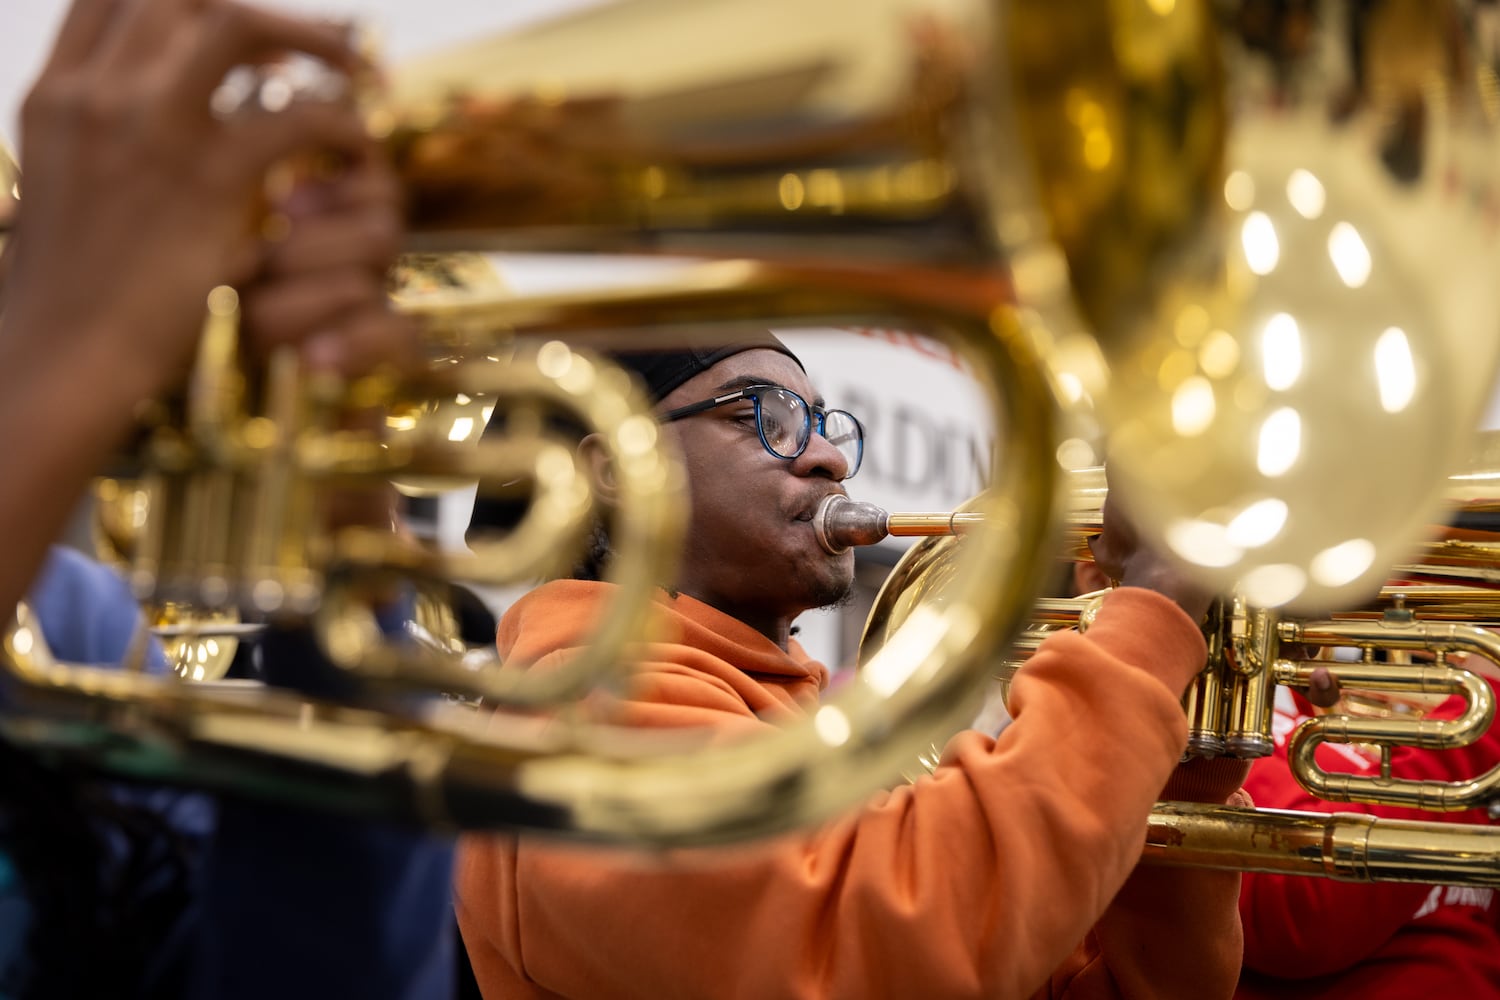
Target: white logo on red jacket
pixel 1455 895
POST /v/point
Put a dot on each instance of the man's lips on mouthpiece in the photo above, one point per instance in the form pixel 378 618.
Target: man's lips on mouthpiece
pixel 811 510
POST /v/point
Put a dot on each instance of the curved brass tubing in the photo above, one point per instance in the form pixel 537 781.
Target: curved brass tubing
pixel 646 525
pixel 1438 678
pixel 598 782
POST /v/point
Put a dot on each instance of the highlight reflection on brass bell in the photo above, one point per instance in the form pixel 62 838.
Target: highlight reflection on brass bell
pixel 1217 229
pixel 459 418
pixel 1338 313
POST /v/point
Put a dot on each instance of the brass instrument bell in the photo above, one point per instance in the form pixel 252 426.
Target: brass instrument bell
pixel 1337 309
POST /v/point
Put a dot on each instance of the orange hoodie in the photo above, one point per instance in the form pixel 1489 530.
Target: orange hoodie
pixel 986 879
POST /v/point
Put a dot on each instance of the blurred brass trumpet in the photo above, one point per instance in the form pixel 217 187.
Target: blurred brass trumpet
pixel 876 137
pixel 1207 290
pixel 928 162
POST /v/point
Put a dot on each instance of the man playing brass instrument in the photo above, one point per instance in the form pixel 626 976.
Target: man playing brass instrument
pixel 1010 871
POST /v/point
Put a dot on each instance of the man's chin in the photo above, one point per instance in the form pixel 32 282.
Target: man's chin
pixel 841 600
pixel 825 582
pixel 834 593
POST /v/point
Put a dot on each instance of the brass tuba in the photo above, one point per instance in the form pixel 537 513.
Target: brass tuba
pixel 1252 651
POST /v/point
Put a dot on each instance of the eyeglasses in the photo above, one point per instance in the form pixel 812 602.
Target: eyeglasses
pixel 785 422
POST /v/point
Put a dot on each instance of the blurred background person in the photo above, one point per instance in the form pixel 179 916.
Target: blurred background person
pixel 135 186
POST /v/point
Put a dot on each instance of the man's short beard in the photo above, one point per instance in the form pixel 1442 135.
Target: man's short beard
pixel 833 596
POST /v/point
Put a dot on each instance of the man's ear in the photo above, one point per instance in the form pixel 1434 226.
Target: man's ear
pixel 600 468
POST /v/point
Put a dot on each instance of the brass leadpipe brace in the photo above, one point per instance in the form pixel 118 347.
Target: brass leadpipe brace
pixel 1346 847
pixel 841 523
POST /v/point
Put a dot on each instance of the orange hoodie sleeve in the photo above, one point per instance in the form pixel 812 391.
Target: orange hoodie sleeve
pixel 980 880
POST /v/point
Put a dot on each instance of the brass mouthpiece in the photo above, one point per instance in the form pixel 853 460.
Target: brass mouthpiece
pixel 840 523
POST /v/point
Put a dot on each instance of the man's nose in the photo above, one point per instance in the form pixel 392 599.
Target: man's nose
pixel 821 458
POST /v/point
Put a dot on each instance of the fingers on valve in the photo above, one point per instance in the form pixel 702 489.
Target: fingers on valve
pixel 354 240
pixel 343 319
pixel 292 309
pixel 232 34
pixel 366 339
pixel 1323 688
pixel 84 26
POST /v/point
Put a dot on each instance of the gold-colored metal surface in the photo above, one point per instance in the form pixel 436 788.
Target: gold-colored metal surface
pixel 1346 847
pixel 645 523
pixel 1451 571
pixel 634 126
pixel 1252 650
pixel 931 678
pixel 243 518
pixel 840 523
pixel 10 192
pixel 461 417
pixel 1229 705
pixel 197 643
pixel 1124 141
pixel 1337 307
pixel 198 646
pixel 592 781
pixel 1439 677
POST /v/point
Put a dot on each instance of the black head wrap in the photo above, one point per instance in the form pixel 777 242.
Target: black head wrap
pixel 663 371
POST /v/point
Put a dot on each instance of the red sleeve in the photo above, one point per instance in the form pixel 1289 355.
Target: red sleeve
pixel 1296 926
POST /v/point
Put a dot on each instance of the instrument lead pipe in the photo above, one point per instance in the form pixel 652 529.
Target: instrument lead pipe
pixel 841 523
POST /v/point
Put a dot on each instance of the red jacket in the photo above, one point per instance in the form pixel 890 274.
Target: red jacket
pixel 1314 937
pixel 986 879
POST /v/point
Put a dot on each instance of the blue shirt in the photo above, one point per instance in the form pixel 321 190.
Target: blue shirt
pixel 284 903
